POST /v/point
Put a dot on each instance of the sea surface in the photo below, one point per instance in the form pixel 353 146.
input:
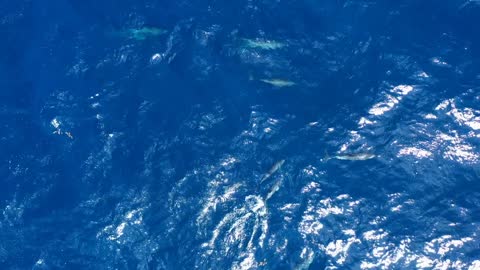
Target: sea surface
pixel 257 134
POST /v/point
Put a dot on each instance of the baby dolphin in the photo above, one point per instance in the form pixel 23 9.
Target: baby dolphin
pixel 272 170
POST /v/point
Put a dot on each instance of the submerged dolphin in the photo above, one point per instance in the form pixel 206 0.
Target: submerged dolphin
pixel 274 189
pixel 263 44
pixel 352 157
pixel 145 32
pixel 272 170
pixel 140 33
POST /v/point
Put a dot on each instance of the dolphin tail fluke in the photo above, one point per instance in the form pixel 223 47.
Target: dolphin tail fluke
pixel 265 177
pixel 326 157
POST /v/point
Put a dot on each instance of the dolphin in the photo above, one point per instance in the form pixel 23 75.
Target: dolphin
pixel 145 32
pixel 274 189
pixel 272 170
pixel 278 82
pixel 139 33
pixel 351 157
pixel 263 44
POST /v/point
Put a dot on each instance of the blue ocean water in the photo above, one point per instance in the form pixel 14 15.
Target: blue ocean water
pixel 240 135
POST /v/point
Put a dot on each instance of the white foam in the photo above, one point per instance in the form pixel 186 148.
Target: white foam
pixel 414 151
pixel 374 235
pixel 364 122
pixel 155 58
pixel 461 153
pixel 55 123
pixel 391 100
pixel 338 249
pixel 475 265
pixel 443 105
pixel 439 62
